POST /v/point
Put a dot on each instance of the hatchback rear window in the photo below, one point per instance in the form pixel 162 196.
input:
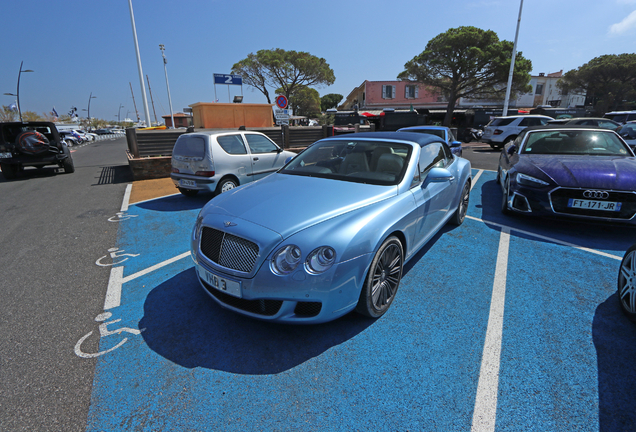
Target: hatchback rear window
pixel 189 146
pixel 502 121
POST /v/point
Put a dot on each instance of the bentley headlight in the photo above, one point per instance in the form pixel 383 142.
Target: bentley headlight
pixel 320 260
pixel 526 180
pixel 285 260
pixel 197 227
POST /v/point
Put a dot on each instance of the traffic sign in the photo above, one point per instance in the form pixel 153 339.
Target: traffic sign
pixel 281 101
pixel 228 79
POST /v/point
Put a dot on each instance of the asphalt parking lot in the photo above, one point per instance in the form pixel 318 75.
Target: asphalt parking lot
pixel 503 323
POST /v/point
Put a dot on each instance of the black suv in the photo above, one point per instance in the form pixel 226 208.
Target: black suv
pixel 35 144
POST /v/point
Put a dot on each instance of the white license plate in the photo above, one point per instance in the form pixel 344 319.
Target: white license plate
pixel 594 205
pixel 5 155
pixel 221 283
pixel 188 183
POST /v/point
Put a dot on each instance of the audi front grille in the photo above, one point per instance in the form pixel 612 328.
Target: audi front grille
pixel 228 250
pixel 561 196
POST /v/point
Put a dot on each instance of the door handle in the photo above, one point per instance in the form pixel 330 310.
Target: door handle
pixel 255 158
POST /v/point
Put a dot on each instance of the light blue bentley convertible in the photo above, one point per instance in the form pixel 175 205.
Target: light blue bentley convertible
pixel 331 231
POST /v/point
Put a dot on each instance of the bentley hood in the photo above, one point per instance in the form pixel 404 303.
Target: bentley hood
pixel 287 204
pixel 598 172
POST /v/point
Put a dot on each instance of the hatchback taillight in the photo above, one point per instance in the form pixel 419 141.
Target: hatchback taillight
pixel 175 170
pixel 204 173
pixel 497 132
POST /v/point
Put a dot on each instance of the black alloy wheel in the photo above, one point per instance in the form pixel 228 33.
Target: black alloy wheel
pixel 460 214
pixel 627 283
pixel 383 279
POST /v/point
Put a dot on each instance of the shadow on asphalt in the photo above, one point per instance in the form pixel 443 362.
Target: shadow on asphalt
pixel 593 235
pixel 615 342
pixel 114 175
pixel 185 326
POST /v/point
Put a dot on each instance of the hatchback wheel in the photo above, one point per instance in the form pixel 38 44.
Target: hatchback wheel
pixel 383 279
pixel 627 283
pixel 226 185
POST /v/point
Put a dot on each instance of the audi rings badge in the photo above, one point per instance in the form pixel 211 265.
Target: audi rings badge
pixel 596 194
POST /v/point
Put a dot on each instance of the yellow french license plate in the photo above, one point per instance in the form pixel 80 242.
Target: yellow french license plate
pixel 221 283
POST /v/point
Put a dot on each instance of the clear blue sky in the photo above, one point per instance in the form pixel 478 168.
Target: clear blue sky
pixel 79 47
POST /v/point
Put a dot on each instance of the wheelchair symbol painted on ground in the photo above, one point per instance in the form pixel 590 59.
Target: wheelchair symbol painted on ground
pixel 121 216
pixel 103 332
pixel 115 253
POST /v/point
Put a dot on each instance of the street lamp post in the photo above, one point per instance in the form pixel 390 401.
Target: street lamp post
pixel 512 64
pixel 118 111
pixel 17 95
pixel 162 48
pixel 89 110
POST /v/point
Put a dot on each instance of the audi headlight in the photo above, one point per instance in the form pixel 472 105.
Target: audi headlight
pixel 285 260
pixel 320 260
pixel 526 180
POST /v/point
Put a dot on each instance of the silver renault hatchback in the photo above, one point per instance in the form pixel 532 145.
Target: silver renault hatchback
pixel 217 161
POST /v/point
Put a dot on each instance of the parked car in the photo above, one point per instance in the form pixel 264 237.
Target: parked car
pixel 87 136
pixel 69 138
pixel 331 231
pixel 502 130
pixel 587 121
pixel 578 172
pixel 102 131
pixel 441 131
pixel 627 283
pixel 35 144
pixel 621 117
pixel 628 133
pixel 217 161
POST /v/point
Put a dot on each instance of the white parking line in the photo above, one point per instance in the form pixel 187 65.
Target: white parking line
pixel 479 173
pixel 124 204
pixel 485 413
pixel 113 293
pixel 154 267
pixel 550 239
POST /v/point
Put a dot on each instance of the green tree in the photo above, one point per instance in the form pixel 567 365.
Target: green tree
pixel 305 101
pixel 330 100
pixel 31 116
pixel 287 70
pixel 468 62
pixel 7 114
pixel 609 80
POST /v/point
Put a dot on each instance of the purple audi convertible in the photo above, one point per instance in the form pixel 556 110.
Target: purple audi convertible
pixel 569 171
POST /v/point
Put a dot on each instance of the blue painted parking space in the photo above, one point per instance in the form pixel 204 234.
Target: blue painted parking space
pixel 564 350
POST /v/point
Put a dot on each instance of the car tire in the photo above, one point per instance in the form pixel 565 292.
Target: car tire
pixel 383 279
pixel 504 199
pixel 67 163
pixel 462 207
pixel 494 146
pixel 188 192
pixel 9 171
pixel 225 185
pixel 626 285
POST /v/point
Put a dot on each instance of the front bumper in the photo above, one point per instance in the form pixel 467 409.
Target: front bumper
pixel 552 202
pixel 298 298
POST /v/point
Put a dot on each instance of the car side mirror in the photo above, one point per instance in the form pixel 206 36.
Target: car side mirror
pixel 438 175
pixel 512 149
pixel 455 144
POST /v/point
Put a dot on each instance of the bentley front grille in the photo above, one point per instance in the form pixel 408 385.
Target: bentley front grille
pixel 228 250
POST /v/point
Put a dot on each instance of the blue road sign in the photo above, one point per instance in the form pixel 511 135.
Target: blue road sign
pixel 228 79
